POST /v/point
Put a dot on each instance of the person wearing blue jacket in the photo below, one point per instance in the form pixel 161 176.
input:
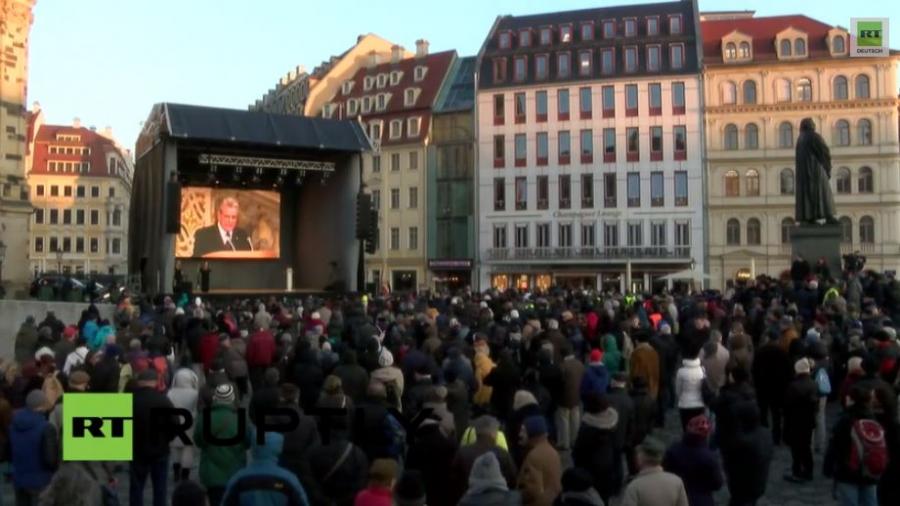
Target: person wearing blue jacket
pixel 35 449
pixel 596 376
pixel 263 482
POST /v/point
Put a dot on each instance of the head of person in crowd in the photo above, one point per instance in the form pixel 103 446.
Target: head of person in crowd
pixel 189 493
pixel 650 453
pixel 410 489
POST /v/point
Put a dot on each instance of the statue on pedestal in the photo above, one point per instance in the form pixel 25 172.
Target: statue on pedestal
pixel 814 202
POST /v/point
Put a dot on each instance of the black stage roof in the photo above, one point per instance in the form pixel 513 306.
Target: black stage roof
pixel 232 126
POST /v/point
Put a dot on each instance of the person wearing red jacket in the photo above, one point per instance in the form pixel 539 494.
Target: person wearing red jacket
pixel 260 355
pixel 209 348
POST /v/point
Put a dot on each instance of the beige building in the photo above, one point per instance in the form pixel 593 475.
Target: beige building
pixel 762 76
pixel 15 208
pixel 80 182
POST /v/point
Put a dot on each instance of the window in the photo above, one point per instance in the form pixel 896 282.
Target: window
pixel 609 29
pixel 842 181
pixel 525 38
pixel 731 137
pixel 653 58
pixel 79 191
pixel 607 61
pixel 733 232
pixel 680 134
pixel 499 236
pixel 677 56
pixel 842 133
pixel 749 88
pixel 499 194
pixel 95 217
pixel 395 128
pixel 54 216
pixel 611 235
pixel 633 145
pixel 565 191
pixel 751 136
pixel 95 245
pixel 376 163
pixel 412 127
pixel 562 104
pixel 521 236
pixel 681 188
pixel 505 40
pixel 563 67
pixel 499 74
pixel 541 66
pixel 546 37
pixel 499 151
pixel 786 225
pixel 786 182
pixel 38 244
pixel 376 200
pixel 837 44
pixel 39 190
pixel 752 183
pixel 630 27
pixel 729 93
pixel 656 144
pixel 67 244
pixel 657 189
pixel 866 180
pixel 634 189
pixel 395 161
pixel 609 190
pixel 520 65
pixel 683 235
pixel 745 50
pixel 841 89
pixel 631 59
pixel 862 86
pixel 584 63
pixel 521 147
pixel 395 238
pixel 413 197
pixel 587 146
pixel 520 107
pixel 864 132
pixel 732 184
pixel 381 101
pixel 413 238
pixel 730 51
pixel 635 234
pixel 39 216
pixel 675 25
pixel 376 130
pixel 543 192
pixel 499 110
pixel 866 230
pixel 785 135
pixel 587 31
pixel 678 97
pixel 846 229
pixel 395 198
pixel 542 142
pixel 799 47
pixel 783 90
pixel 584 103
pixel 631 100
pixel 54 244
pixel 67 217
pixel 587 191
pixel 543 235
pixel 353 105
pixel 653 25
pixel 654 92
pixel 588 238
pixel 609 145
pixel 565 235
pixel 754 232
pixel 564 147
pixel 565 33
pixel 540 105
pixel 67 191
pixel 785 47
pixel 54 191
pixel 804 90
pixel 608 99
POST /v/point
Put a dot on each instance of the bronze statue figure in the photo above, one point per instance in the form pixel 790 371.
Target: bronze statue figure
pixel 814 201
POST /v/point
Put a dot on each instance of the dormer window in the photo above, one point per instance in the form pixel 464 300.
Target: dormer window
pixel 412 127
pixel 420 72
pixel 799 47
pixel 837 45
pixel 505 40
pixel 587 31
pixel 375 130
pixel 675 27
pixel 565 33
pixel 785 48
pixel 745 50
pixel 396 75
pixel 653 26
pixel 410 96
pixel 366 105
pixel 347 87
pixel 328 111
pixel 609 29
pixel 630 27
pixel 396 128
pixel 382 80
pixel 367 83
pixel 352 107
pixel 382 100
pixel 730 51
pixel 525 38
pixel 546 36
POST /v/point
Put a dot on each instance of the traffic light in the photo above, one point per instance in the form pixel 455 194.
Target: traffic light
pixel 363 215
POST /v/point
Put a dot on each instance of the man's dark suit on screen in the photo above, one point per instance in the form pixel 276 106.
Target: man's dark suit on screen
pixel 209 240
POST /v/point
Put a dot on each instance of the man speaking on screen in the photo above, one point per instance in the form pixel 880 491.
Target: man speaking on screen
pixel 224 235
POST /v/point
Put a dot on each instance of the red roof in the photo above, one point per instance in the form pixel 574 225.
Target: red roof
pixel 763 30
pixel 437 64
pixel 98 144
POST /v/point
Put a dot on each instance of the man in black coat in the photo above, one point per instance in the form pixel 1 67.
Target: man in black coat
pixel 150 440
pixel 747 458
pixel 354 377
pixel 301 441
pixel 432 453
pixel 224 235
pixel 619 400
pixel 771 375
pixel 800 406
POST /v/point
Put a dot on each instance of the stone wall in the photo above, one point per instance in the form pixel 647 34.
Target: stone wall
pixel 14 312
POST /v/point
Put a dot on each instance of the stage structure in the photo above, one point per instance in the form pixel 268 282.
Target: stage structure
pixel 267 200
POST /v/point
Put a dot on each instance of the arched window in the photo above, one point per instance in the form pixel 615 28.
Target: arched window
pixel 752 183
pixel 786 182
pixel 837 44
pixel 785 47
pixel 749 92
pixel 731 136
pixel 842 133
pixel 846 229
pixel 785 135
pixel 733 232
pixel 866 180
pixel 754 232
pixel 751 136
pixel 786 225
pixel 804 90
pixel 729 93
pixel 732 184
pixel 842 181
pixel 840 88
pixel 864 132
pixel 799 47
pixel 783 90
pixel 862 86
pixel 745 49
pixel 730 51
pixel 866 230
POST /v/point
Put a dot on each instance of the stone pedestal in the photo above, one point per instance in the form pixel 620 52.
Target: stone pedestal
pixel 813 242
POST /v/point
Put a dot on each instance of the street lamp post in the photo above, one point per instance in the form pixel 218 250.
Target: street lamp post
pixel 59 259
pixel 2 258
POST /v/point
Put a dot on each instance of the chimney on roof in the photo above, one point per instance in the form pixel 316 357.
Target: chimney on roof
pixel 360 37
pixel 373 59
pixel 107 132
pixel 396 53
pixel 76 123
pixel 35 106
pixel 301 70
pixel 93 128
pixel 421 48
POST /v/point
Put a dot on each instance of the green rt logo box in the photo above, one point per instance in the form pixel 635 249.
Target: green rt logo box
pixel 869 37
pixel 868 33
pixel 97 427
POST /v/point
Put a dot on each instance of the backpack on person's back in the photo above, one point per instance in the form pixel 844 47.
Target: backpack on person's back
pixel 868 449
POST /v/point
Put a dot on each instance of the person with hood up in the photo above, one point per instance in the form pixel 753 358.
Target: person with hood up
pixel 578 489
pixel 595 448
pixel 801 401
pixel 747 457
pixel 612 357
pixel 218 462
pixel 695 463
pixel 689 390
pixel 263 482
pixel 541 473
pixel 34 449
pixel 487 487
pixel 596 376
pixel 183 394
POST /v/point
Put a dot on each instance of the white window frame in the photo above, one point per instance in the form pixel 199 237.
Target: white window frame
pixel 420 72
pixel 367 83
pixel 352 107
pixel 381 81
pixel 396 76
pixel 410 92
pixel 396 128
pixel 347 87
pixel 413 126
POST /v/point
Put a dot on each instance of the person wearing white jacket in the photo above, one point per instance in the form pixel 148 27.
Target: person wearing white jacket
pixel 184 394
pixel 689 390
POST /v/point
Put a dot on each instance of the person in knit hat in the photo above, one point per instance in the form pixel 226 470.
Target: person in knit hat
pixel 219 462
pixel 695 463
pixel 34 449
pixel 391 377
pixel 541 473
pixel 801 403
pixel 410 489
pixel 596 376
pixel 487 485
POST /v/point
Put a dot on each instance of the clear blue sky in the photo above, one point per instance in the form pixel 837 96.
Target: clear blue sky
pixel 108 61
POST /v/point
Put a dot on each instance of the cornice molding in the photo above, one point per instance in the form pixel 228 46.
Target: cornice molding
pixel 831 105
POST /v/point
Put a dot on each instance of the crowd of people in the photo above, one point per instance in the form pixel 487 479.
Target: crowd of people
pixel 489 398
